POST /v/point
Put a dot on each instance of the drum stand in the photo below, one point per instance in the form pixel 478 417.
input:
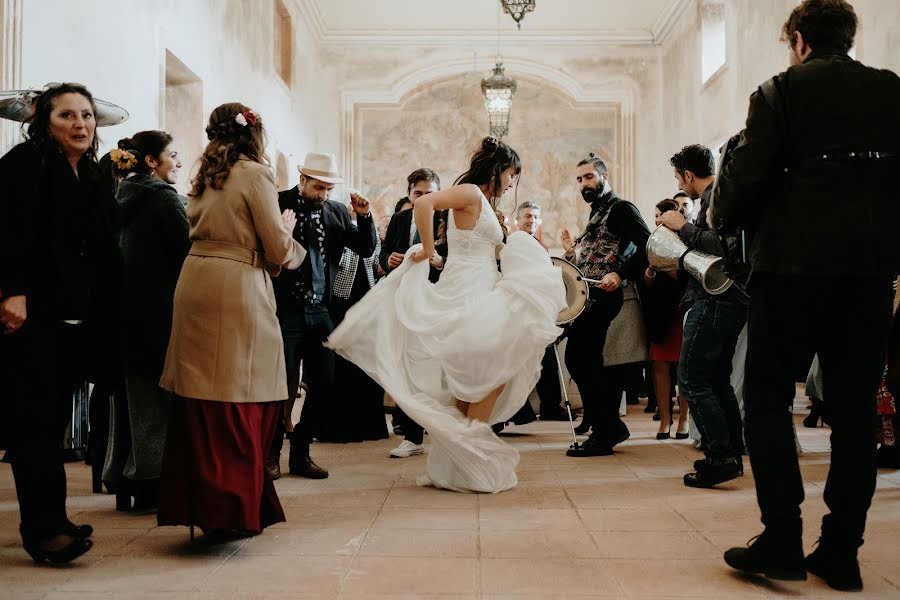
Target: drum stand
pixel 565 394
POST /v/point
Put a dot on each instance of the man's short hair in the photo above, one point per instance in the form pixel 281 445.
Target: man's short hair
pixel 422 175
pixel 598 164
pixel 525 205
pixel 666 205
pixel 824 25
pixel 694 158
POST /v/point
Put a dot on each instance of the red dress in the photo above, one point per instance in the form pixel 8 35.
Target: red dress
pixel 669 350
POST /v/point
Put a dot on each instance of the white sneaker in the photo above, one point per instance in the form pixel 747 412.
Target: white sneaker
pixel 407 449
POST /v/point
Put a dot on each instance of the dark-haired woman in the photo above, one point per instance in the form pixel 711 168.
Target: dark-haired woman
pixel 58 259
pixel 225 362
pixel 661 295
pixel 154 243
pixel 466 351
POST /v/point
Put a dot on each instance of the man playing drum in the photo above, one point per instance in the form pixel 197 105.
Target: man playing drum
pixel 599 253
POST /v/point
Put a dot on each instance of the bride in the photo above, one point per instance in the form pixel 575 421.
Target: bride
pixel 465 352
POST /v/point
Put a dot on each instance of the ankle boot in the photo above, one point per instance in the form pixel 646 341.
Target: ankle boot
pixel 775 554
pixel 837 565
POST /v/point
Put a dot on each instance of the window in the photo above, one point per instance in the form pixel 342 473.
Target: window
pixel 712 31
pixel 284 42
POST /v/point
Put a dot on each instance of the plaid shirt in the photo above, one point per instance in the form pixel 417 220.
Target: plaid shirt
pixel 343 280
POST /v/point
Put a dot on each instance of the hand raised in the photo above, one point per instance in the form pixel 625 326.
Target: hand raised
pixel 359 203
pixel 289 218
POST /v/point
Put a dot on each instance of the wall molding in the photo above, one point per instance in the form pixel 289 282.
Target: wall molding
pixel 11 67
pixel 621 92
pixel 591 37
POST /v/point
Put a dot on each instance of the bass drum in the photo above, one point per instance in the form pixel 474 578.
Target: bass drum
pixel 576 291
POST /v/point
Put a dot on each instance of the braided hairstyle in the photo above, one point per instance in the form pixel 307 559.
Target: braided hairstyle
pixel 486 165
pixel 233 129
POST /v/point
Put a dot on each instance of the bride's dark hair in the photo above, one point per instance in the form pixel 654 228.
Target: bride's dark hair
pixel 486 165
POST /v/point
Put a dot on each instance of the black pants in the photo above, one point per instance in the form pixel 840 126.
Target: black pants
pixel 548 386
pixel 846 322
pixel 47 364
pixel 584 360
pixel 303 334
pixel 412 431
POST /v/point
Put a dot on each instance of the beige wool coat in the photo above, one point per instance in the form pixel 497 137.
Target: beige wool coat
pixel 226 343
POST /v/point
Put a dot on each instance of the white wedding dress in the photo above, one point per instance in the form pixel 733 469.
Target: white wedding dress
pixel 471 332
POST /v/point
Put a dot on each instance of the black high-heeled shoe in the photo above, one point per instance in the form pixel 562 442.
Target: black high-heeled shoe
pixel 812 419
pixel 583 428
pixel 662 435
pixel 73 550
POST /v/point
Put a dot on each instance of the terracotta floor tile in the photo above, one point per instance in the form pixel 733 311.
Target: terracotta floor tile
pixel 644 544
pixel 529 519
pixel 682 578
pixel 550 576
pixel 335 541
pixel 643 519
pixel 385 575
pixel 537 544
pixel 274 575
pixel 426 518
pixel 437 543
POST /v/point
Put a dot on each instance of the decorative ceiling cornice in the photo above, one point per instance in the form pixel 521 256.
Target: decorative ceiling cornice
pixel 325 37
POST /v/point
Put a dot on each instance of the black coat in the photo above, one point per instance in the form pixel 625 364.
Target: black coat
pixel 154 243
pixel 813 209
pixel 58 245
pixel 340 233
pixel 396 239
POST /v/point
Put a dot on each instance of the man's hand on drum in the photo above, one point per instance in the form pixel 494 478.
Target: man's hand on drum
pixel 610 282
pixel 565 238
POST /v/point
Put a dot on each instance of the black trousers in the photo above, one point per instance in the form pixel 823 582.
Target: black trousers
pixel 584 360
pixel 845 321
pixel 303 334
pixel 412 431
pixel 548 386
pixel 46 360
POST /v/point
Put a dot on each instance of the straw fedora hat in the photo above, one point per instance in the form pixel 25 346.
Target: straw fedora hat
pixel 321 166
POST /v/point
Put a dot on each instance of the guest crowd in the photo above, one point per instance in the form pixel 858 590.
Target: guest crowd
pixel 199 319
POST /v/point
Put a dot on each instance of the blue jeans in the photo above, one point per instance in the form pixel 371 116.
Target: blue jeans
pixel 711 331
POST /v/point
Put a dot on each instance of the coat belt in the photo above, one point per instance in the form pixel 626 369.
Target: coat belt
pixel 212 248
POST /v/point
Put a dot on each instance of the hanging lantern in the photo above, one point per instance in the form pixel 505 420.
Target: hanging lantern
pixel 498 90
pixel 517 9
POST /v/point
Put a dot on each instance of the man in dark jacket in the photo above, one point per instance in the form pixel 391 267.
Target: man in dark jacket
pixel 401 234
pixel 600 253
pixel 824 131
pixel 711 329
pixel 324 229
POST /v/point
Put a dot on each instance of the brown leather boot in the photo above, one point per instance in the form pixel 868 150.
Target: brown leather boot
pixel 305 467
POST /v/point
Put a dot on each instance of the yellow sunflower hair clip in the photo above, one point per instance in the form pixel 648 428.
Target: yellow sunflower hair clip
pixel 123 159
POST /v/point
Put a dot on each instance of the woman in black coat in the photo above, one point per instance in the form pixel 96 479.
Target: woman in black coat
pixel 58 268
pixel 154 243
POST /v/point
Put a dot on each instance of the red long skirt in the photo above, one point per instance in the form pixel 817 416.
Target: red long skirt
pixel 212 470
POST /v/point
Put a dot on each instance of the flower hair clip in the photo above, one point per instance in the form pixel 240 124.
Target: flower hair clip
pixel 123 159
pixel 248 117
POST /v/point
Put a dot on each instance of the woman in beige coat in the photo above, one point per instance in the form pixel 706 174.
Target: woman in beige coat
pixel 225 364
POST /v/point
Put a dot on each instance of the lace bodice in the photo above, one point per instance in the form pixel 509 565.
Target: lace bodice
pixel 477 243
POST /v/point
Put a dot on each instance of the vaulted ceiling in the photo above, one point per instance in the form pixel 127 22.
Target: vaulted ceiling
pixel 438 22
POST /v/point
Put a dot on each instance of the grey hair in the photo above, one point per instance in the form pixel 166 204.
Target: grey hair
pixel 525 205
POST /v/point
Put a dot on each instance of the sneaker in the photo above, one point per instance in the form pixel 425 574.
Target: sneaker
pixel 712 472
pixel 407 449
pixel 703 463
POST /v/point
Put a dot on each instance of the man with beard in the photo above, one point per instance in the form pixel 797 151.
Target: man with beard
pixel 324 229
pixel 601 254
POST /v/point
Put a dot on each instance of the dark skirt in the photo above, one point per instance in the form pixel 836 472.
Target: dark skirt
pixel 212 470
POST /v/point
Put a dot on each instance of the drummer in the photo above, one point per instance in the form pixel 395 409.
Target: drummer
pixel 599 252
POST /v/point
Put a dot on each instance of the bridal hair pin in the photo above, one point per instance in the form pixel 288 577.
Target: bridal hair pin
pixel 248 117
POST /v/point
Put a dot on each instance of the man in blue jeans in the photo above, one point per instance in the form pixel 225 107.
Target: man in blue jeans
pixel 711 330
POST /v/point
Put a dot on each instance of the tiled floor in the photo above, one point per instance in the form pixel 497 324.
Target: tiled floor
pixel 622 526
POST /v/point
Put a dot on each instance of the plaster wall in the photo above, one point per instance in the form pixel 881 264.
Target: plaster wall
pixel 118 50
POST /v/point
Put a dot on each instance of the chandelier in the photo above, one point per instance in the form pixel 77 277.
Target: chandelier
pixel 517 9
pixel 498 90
